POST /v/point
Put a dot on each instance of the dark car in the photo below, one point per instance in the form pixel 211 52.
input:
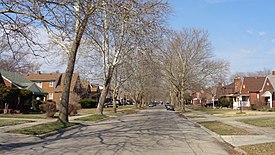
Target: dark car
pixel 169 107
pixel 152 104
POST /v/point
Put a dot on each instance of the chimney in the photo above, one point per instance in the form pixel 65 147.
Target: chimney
pixel 237 84
pixel 273 72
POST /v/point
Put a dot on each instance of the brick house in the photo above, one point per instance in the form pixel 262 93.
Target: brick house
pixel 53 84
pixel 18 81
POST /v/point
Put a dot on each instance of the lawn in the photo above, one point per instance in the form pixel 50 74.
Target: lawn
pixel 265 149
pixel 226 112
pixel 4 122
pixel 93 118
pixel 42 128
pixel 29 116
pixel 224 129
pixel 121 110
pixel 261 122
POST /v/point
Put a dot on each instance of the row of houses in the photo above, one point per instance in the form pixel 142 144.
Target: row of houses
pixel 49 86
pixel 245 92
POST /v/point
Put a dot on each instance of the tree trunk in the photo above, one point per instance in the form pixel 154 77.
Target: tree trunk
pixel 63 114
pixel 106 86
pixel 114 100
pixel 63 111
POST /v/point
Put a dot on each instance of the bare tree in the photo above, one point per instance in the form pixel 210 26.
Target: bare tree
pixel 64 22
pixel 188 63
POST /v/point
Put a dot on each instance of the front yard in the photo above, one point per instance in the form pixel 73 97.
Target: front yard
pixel 4 122
pixel 227 112
pixel 261 122
pixel 224 129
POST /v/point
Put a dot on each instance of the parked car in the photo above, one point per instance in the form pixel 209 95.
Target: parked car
pixel 169 107
pixel 152 104
pixel 109 104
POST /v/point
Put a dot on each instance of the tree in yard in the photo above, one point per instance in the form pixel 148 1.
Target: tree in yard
pixel 188 63
pixel 65 23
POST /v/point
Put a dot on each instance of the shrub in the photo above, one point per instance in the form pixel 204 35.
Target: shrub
pixel 48 107
pixel 88 103
pixel 224 102
pixel 35 105
pixel 73 108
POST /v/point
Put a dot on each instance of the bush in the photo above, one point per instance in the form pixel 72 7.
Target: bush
pixel 48 107
pixel 73 109
pixel 88 103
pixel 35 105
pixel 224 102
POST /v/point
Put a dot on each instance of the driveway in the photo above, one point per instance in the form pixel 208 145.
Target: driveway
pixel 153 131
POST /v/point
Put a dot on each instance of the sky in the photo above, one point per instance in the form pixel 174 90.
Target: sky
pixel 242 32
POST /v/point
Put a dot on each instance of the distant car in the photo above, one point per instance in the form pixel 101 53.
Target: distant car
pixel 169 107
pixel 152 104
pixel 109 104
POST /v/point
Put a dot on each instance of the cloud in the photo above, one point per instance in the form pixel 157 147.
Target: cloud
pixel 250 32
pixel 273 40
pixel 261 33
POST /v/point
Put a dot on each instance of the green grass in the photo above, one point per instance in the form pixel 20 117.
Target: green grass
pixel 194 116
pixel 29 116
pixel 224 129
pixel 93 118
pixel 261 122
pixel 42 128
pixel 257 149
pixel 4 122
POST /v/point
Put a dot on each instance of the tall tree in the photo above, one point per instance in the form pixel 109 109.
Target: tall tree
pixel 65 22
pixel 188 62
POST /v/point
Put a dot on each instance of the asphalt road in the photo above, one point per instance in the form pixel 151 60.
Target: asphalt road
pixel 153 131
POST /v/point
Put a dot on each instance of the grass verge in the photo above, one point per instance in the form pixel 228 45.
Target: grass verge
pixel 5 122
pixel 42 128
pixel 93 118
pixel 224 129
pixel 256 149
pixel 261 122
pixel 29 116
pixel 195 116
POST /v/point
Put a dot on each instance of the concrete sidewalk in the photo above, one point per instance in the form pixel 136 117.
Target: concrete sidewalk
pixel 262 134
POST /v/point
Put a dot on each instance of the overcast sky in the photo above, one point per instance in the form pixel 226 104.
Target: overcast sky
pixel 241 31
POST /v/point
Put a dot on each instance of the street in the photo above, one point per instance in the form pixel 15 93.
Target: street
pixel 153 131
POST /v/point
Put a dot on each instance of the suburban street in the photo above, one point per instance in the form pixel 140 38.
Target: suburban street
pixel 153 131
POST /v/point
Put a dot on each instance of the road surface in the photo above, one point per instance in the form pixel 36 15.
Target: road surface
pixel 153 131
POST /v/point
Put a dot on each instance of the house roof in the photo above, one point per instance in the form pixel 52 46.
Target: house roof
pixel 230 86
pixel 95 88
pixel 85 84
pixel 43 76
pixel 253 84
pixel 17 79
pixel 272 80
pixel 73 82
pixel 20 81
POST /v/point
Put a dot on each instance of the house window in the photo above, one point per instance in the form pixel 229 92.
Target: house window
pixel 50 96
pixel 39 84
pixel 51 84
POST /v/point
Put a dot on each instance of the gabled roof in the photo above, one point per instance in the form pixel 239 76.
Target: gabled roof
pixel 272 80
pixel 43 76
pixel 75 77
pixel 16 79
pixel 20 82
pixel 253 84
pixel 95 88
pixel 230 86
